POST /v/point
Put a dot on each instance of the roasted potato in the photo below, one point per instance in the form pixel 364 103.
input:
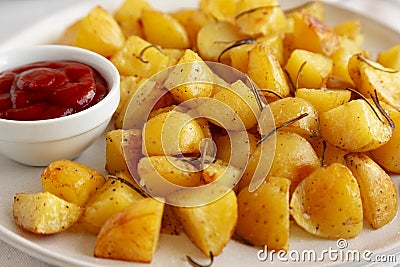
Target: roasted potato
pixel 114 196
pixel 210 227
pixel 138 57
pixel 370 76
pixel 44 213
pixel 98 31
pixel 128 16
pixel 71 181
pixel 327 203
pixel 354 127
pixel 131 234
pixel 263 217
pixel 171 133
pixel 162 29
pixel 315 72
pixel 119 145
pixel 378 192
pixel 388 155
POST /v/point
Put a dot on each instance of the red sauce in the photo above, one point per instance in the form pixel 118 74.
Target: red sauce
pixel 49 89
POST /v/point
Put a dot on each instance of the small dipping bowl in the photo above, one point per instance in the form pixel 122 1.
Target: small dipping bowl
pixel 39 142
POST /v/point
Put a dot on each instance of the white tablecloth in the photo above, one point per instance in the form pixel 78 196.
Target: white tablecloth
pixel 16 15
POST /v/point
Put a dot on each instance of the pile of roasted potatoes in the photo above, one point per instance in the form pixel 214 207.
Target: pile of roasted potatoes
pixel 336 110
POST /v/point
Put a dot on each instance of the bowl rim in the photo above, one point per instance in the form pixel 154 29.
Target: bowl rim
pixel 13 130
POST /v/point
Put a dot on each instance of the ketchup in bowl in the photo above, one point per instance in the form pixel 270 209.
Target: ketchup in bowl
pixel 49 89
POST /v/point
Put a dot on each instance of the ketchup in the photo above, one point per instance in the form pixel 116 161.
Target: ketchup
pixel 49 89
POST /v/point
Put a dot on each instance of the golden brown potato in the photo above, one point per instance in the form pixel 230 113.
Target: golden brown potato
pixel 132 234
pixel 138 57
pixel 221 10
pixel 71 181
pixel 44 213
pixel 171 133
pixel 214 37
pixel 294 159
pixel 98 31
pixel 193 20
pixel 260 18
pixel 324 99
pixel 268 75
pixel 120 143
pixel 128 87
pixel 315 72
pixel 128 16
pixel 162 29
pixel 328 204
pixel 378 192
pixel 235 108
pixel 114 196
pixel 312 34
pixel 174 170
pixel 354 127
pixel 190 78
pixel 263 217
pixel 369 76
pixel 390 58
pixel 289 108
pixel 210 227
pixel 388 155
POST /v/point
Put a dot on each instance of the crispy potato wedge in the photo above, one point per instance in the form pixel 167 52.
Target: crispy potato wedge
pixel 71 181
pixel 114 196
pixel 98 31
pixel 44 213
pixel 378 192
pixel 328 204
pixel 369 76
pixel 210 227
pixel 264 214
pixel 354 127
pixel 132 234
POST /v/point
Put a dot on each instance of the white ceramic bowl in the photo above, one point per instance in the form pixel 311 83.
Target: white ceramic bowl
pixel 40 142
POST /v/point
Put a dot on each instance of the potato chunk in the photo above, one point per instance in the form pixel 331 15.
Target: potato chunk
pixel 128 16
pixel 390 58
pixel 132 234
pixel 44 213
pixel 354 127
pixel 264 214
pixel 171 133
pixel 289 108
pixel 328 204
pixel 71 181
pixel 98 31
pixel 388 155
pixel 114 196
pixel 162 29
pixel 378 192
pixel 313 34
pixel 210 227
pixel 369 76
pixel 133 60
pixel 324 99
pixel 268 75
pixel 315 72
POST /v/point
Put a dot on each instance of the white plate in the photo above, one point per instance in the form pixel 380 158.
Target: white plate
pixel 75 248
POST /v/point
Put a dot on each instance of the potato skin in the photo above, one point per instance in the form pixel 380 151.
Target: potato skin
pixel 264 214
pixel 210 227
pixel 131 234
pixel 44 213
pixel 328 204
pixel 71 181
pixel 378 192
